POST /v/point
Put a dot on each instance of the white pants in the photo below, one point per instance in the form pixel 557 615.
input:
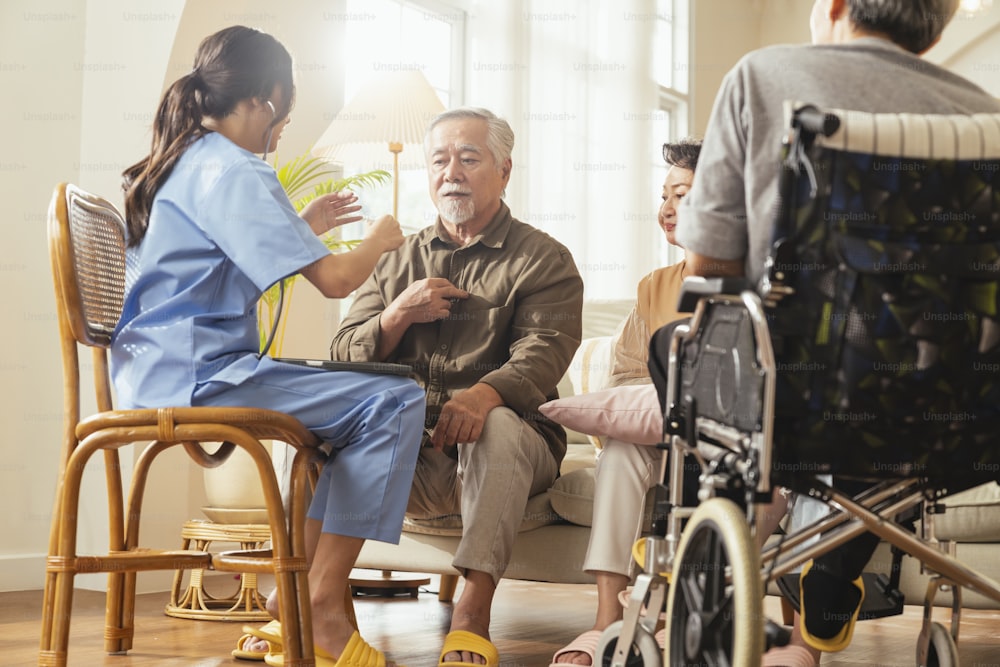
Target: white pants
pixel 624 475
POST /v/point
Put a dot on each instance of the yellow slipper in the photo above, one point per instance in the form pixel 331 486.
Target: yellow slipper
pixel 458 641
pixel 357 653
pixel 241 653
pixel 271 633
pixel 842 638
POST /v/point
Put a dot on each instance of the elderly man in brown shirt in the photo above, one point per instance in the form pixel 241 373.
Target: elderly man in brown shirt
pixel 487 311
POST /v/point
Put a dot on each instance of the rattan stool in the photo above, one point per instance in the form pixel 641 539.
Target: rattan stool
pixel 247 604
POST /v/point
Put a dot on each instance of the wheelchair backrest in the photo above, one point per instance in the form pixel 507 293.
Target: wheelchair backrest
pixel 888 347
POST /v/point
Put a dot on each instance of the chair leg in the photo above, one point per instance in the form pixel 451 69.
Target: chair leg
pixel 54 649
pixel 292 578
pixel 61 569
pixel 114 614
pixel 119 620
pixel 352 616
pixel 446 589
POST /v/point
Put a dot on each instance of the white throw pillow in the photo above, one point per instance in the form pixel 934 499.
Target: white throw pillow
pixel 630 413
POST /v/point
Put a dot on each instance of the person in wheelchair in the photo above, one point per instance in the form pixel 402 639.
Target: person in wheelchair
pixel 865 56
pixel 626 471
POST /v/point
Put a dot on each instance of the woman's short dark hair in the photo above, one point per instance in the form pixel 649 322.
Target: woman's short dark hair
pixel 683 154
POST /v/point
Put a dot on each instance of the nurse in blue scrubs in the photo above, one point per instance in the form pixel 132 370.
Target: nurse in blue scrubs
pixel 210 229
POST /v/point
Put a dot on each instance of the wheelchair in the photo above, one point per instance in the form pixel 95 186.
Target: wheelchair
pixel 868 357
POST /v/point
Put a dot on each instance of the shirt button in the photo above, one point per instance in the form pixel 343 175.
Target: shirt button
pixel 444 347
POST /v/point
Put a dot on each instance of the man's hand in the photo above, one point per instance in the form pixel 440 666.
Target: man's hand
pixel 333 210
pixel 425 300
pixel 462 418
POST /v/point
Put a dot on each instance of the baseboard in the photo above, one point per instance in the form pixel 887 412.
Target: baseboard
pixel 22 572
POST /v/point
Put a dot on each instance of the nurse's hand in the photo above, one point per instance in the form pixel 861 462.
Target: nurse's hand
pixel 386 232
pixel 332 210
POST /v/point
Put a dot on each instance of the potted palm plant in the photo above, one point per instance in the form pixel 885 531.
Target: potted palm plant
pixel 304 178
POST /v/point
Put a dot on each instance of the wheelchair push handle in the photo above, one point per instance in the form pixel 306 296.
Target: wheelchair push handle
pixel 814 121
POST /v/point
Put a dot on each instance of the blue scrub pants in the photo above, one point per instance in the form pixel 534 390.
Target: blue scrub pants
pixel 373 425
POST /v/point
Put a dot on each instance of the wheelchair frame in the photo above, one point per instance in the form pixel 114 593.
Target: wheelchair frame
pixel 725 454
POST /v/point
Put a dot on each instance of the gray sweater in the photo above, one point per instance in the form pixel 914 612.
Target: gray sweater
pixel 728 214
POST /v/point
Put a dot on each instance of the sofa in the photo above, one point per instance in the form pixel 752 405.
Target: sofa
pixel 553 538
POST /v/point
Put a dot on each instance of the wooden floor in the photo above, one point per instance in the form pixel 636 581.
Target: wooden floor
pixel 531 621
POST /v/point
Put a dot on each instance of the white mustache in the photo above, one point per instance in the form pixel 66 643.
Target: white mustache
pixel 453 190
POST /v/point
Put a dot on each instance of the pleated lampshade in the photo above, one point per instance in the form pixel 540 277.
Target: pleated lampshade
pixel 386 120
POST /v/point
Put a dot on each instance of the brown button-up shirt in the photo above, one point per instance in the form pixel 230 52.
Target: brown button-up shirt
pixel 517 331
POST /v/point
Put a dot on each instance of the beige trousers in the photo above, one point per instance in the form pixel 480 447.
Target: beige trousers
pixel 489 486
pixel 624 474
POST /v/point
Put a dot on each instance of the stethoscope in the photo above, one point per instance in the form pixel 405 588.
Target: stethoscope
pixel 270 129
pixel 274 322
pixel 281 283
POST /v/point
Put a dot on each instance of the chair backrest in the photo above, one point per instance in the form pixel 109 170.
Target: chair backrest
pixel 87 247
pixel 87 253
pixel 888 350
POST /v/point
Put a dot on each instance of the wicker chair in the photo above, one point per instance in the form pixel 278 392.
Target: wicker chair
pixel 87 250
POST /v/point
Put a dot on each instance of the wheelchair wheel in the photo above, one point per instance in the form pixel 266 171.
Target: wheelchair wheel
pixel 645 651
pixel 941 648
pixel 714 605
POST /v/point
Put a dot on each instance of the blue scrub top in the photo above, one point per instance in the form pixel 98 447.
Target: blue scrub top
pixel 221 231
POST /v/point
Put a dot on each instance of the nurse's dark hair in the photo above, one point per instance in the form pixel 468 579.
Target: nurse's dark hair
pixel 234 64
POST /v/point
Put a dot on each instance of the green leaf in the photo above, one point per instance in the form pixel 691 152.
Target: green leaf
pixel 296 177
pixel 299 173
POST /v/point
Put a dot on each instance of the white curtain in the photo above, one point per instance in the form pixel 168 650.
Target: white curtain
pixel 574 80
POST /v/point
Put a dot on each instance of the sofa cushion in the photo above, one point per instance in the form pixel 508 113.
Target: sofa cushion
pixel 600 319
pixel 972 515
pixel 630 413
pixel 589 371
pixel 572 496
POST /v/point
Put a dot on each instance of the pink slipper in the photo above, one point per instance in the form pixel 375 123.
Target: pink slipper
pixel 625 597
pixel 788 656
pixel 586 643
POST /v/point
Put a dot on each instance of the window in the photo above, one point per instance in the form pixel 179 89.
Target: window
pixel 671 73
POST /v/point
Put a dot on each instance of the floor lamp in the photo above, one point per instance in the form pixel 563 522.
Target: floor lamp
pixel 390 111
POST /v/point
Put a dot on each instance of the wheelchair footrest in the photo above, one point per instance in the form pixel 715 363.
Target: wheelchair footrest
pixel 881 599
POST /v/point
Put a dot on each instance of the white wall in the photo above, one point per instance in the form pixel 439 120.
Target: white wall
pixel 723 30
pixel 42 125
pixel 80 82
pixel 970 46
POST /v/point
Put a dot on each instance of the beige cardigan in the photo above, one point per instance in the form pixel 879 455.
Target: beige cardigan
pixel 655 306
